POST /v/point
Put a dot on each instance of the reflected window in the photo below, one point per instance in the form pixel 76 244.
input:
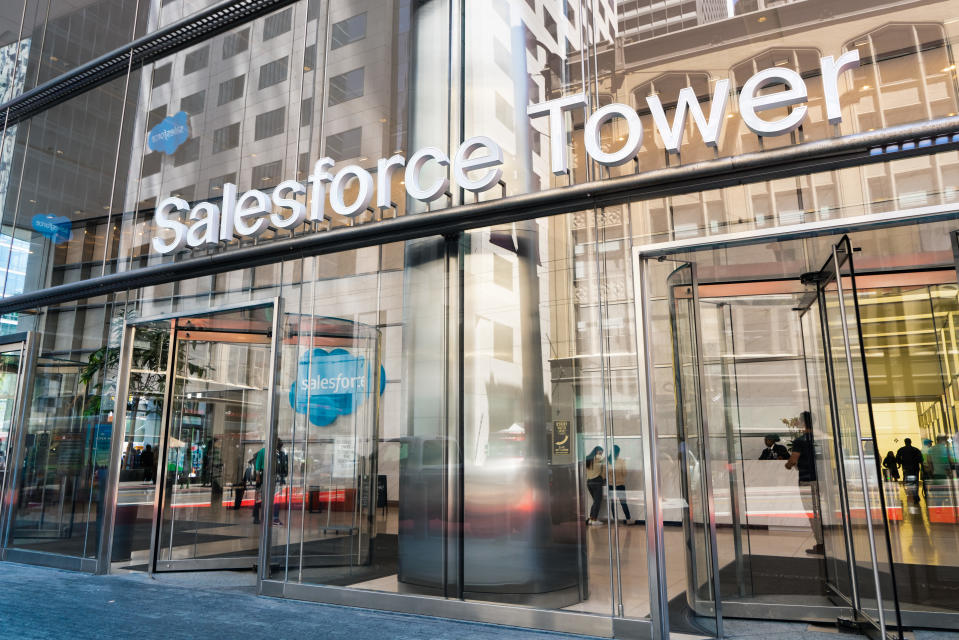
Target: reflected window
pixel 906 74
pixel 270 123
pixel 273 72
pixel 227 137
pixel 344 145
pixel 187 192
pixel 306 112
pixel 277 24
pixel 189 151
pixel 161 75
pixel 193 103
pixel 216 184
pixel 503 342
pixel 152 163
pixel 234 43
pixel 550 25
pixel 346 86
pixel 156 116
pixel 266 175
pixel 231 89
pixel 196 60
pixel 347 31
pixel 504 112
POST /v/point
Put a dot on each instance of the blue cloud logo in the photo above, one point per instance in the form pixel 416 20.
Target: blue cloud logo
pixel 57 228
pixel 170 133
pixel 335 384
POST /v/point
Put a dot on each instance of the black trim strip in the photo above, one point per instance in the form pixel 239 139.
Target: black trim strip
pixel 810 157
pixel 149 48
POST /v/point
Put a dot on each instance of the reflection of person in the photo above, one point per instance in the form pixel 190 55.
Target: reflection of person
pixel 941 459
pixel 891 466
pixel 258 460
pixel 803 458
pixel 773 450
pixel 909 459
pixel 247 476
pixel 617 482
pixel 595 479
pixel 149 465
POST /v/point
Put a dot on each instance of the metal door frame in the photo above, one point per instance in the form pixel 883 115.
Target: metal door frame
pixel 26 371
pixel 641 255
pixel 261 559
pixel 831 272
pixel 700 403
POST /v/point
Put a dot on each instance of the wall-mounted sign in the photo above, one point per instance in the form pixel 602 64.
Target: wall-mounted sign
pixel 330 384
pixel 170 133
pixel 561 443
pixel 253 212
pixel 57 229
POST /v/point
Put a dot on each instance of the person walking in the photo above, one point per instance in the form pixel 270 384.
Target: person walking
pixel 803 458
pixel 595 479
pixel 891 466
pixel 148 462
pixel 617 483
pixel 909 458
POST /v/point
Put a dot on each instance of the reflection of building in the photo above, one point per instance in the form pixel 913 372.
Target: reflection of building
pixel 497 333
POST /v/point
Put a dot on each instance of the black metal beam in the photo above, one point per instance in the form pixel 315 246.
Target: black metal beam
pixel 857 149
pixel 177 36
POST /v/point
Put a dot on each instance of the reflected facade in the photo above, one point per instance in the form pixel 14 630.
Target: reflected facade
pixel 651 413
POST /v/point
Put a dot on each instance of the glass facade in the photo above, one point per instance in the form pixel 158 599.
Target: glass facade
pixel 626 414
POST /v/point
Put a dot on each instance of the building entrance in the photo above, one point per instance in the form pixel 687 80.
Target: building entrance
pixel 844 519
pixel 192 487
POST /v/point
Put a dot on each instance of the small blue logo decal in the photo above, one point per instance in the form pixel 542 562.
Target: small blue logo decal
pixel 333 385
pixel 170 133
pixel 57 228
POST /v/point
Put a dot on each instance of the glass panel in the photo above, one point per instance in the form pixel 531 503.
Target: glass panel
pixel 215 441
pixel 909 338
pixel 832 490
pixel 548 494
pixel 866 519
pixel 142 443
pixel 62 473
pixel 328 485
pixel 690 452
pixel 10 359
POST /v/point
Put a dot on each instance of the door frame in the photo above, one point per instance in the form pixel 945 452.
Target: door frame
pixel 27 341
pixel 642 296
pixel 119 434
pixel 831 273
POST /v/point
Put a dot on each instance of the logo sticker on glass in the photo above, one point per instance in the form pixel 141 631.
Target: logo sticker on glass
pixel 334 384
pixel 57 229
pixel 170 133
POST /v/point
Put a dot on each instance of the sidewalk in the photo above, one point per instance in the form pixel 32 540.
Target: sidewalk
pixel 37 603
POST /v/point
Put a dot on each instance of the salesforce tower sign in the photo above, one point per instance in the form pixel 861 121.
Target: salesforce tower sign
pixel 475 165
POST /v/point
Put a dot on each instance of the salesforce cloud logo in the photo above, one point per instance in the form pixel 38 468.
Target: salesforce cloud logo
pixel 170 133
pixel 335 384
pixel 57 228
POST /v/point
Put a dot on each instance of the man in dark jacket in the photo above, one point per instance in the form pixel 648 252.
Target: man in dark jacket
pixel 910 459
pixel 774 450
pixel 803 458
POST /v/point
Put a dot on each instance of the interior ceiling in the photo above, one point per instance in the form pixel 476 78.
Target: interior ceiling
pixel 906 349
